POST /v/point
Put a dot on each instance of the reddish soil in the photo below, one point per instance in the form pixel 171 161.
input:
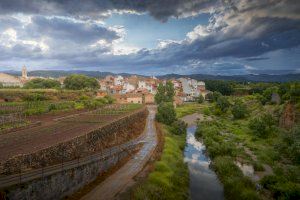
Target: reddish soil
pixel 49 117
pixel 50 132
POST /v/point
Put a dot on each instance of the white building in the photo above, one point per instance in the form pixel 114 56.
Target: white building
pixel 190 88
pixel 142 84
pixel 118 80
pixel 127 87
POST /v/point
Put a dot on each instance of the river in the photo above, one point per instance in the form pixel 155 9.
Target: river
pixel 204 183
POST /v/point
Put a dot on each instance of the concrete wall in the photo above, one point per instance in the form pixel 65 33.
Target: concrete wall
pixel 64 183
pixel 110 135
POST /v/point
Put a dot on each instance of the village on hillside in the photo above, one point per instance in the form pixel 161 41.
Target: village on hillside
pixel 132 89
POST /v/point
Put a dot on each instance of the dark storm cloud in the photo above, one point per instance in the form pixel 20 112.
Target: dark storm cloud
pixel 161 10
pixel 242 30
pixel 256 58
pixel 67 29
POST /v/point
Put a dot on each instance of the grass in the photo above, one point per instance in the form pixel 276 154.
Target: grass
pixel 170 178
pixel 236 185
pixel 188 108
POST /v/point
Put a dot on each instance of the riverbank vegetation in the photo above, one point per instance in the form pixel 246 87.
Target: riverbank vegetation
pixel 170 177
pixel 253 141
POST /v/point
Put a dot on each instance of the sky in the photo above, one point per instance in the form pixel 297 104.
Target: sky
pixel 151 37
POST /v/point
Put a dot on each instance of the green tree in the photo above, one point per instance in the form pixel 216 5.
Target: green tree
pixel 200 99
pixel 79 82
pixel 222 104
pixel 170 92
pixel 239 110
pixel 42 83
pixel 224 87
pixel 160 95
pixel 1 85
pixel 165 93
pixel 166 113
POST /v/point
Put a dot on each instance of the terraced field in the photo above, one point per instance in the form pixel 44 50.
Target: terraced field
pixel 62 129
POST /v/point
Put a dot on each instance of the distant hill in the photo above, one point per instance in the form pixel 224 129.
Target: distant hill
pixel 59 73
pixel 239 78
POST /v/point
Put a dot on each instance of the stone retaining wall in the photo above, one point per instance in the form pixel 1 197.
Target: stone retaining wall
pixel 64 183
pixel 115 133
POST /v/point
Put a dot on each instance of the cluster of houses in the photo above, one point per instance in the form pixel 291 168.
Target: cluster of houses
pixel 136 89
pixel 132 89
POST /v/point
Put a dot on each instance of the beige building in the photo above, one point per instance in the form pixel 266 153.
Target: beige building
pixel 129 98
pixel 149 98
pixel 135 98
pixel 10 81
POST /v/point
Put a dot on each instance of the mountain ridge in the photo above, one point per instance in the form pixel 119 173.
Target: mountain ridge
pixel 239 78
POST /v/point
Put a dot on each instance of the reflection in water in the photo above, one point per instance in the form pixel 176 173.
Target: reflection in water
pixel 204 183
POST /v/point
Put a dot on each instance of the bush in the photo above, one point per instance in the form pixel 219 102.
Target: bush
pixel 236 186
pixel 281 187
pixel 109 99
pixel 35 97
pixel 178 127
pixel 222 104
pixel 215 96
pixel 200 99
pixel 42 84
pixel 239 110
pixel 166 113
pixel 79 82
pixel 262 126
pixel 258 127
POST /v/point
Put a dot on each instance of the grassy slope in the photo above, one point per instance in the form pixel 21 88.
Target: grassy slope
pixel 170 178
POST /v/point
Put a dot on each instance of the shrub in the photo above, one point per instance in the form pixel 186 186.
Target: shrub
pixel 109 99
pixel 35 97
pixel 178 127
pixel 42 84
pixel 258 166
pixel 200 99
pixel 79 82
pixel 215 96
pixel 262 126
pixel 239 110
pixel 236 186
pixel 281 187
pixel 166 113
pixel 222 104
pixel 206 111
pixel 258 127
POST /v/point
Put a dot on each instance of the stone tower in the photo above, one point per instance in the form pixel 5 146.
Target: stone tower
pixel 24 72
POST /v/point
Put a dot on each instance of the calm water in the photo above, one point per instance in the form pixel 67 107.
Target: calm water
pixel 204 183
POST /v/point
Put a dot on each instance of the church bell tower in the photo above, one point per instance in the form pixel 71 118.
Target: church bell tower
pixel 24 72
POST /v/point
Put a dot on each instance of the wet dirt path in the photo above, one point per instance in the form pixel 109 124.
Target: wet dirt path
pixel 123 178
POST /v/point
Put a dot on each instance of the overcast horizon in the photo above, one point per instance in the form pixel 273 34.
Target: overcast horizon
pixel 217 37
